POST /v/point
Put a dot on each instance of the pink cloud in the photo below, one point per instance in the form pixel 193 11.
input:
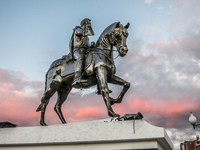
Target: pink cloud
pixel 89 112
pixel 18 106
pixel 162 113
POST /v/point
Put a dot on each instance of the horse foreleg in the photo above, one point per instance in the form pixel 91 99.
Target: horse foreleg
pixel 62 96
pixel 101 74
pixel 126 85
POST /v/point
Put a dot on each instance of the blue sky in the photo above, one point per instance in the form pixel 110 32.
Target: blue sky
pixel 162 64
pixel 33 33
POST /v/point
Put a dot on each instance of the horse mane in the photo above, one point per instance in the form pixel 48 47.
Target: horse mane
pixel 105 32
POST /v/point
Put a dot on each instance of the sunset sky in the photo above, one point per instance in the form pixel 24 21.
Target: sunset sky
pixel 162 64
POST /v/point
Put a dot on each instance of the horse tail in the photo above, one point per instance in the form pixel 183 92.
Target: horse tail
pixel 46 81
pixel 40 106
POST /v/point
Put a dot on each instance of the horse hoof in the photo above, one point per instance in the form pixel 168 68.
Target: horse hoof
pixel 116 115
pixel 43 124
pixel 113 115
pixel 112 101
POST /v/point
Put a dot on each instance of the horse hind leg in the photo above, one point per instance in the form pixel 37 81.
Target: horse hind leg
pixel 63 92
pixel 45 100
pixel 42 107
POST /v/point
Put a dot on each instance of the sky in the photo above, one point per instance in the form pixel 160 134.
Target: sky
pixel 162 64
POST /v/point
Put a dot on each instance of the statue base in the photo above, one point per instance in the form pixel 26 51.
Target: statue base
pixel 98 135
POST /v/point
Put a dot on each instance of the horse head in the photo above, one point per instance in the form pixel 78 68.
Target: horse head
pixel 118 38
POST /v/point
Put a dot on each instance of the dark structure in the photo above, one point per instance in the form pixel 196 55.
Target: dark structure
pixel 98 69
pixel 190 145
pixel 130 117
pixel 7 125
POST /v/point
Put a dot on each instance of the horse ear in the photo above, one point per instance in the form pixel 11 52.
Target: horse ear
pixel 117 25
pixel 127 26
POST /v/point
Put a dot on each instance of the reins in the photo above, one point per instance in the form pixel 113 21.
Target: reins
pixel 104 49
pixel 93 52
pixel 104 55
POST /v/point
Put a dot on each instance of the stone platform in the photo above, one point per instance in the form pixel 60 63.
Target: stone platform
pixel 96 135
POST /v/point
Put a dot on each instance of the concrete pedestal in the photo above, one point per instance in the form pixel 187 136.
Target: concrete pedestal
pixel 97 135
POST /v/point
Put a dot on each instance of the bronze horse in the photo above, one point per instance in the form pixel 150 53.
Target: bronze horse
pixel 99 70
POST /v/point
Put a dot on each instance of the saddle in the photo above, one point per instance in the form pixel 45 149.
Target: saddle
pixel 68 57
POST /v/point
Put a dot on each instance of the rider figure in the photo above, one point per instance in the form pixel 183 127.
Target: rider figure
pixel 79 43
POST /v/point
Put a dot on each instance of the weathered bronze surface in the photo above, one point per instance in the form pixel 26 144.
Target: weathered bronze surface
pixel 79 43
pixel 97 67
pixel 129 117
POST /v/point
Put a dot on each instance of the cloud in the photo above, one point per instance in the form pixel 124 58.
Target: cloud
pixel 21 96
pixel 148 2
pixel 18 97
pixel 190 7
pixel 184 17
pixel 156 102
pixel 164 77
pixel 181 46
pixel 178 136
pixel 165 72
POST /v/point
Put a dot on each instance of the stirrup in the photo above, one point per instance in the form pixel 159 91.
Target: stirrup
pixel 75 82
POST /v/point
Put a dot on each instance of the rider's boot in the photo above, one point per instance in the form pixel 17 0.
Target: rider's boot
pixel 78 70
pixel 77 78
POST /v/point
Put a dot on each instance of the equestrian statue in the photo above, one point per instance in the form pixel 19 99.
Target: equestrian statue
pixel 85 66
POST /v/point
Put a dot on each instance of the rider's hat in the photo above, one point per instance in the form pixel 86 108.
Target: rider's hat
pixel 85 21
